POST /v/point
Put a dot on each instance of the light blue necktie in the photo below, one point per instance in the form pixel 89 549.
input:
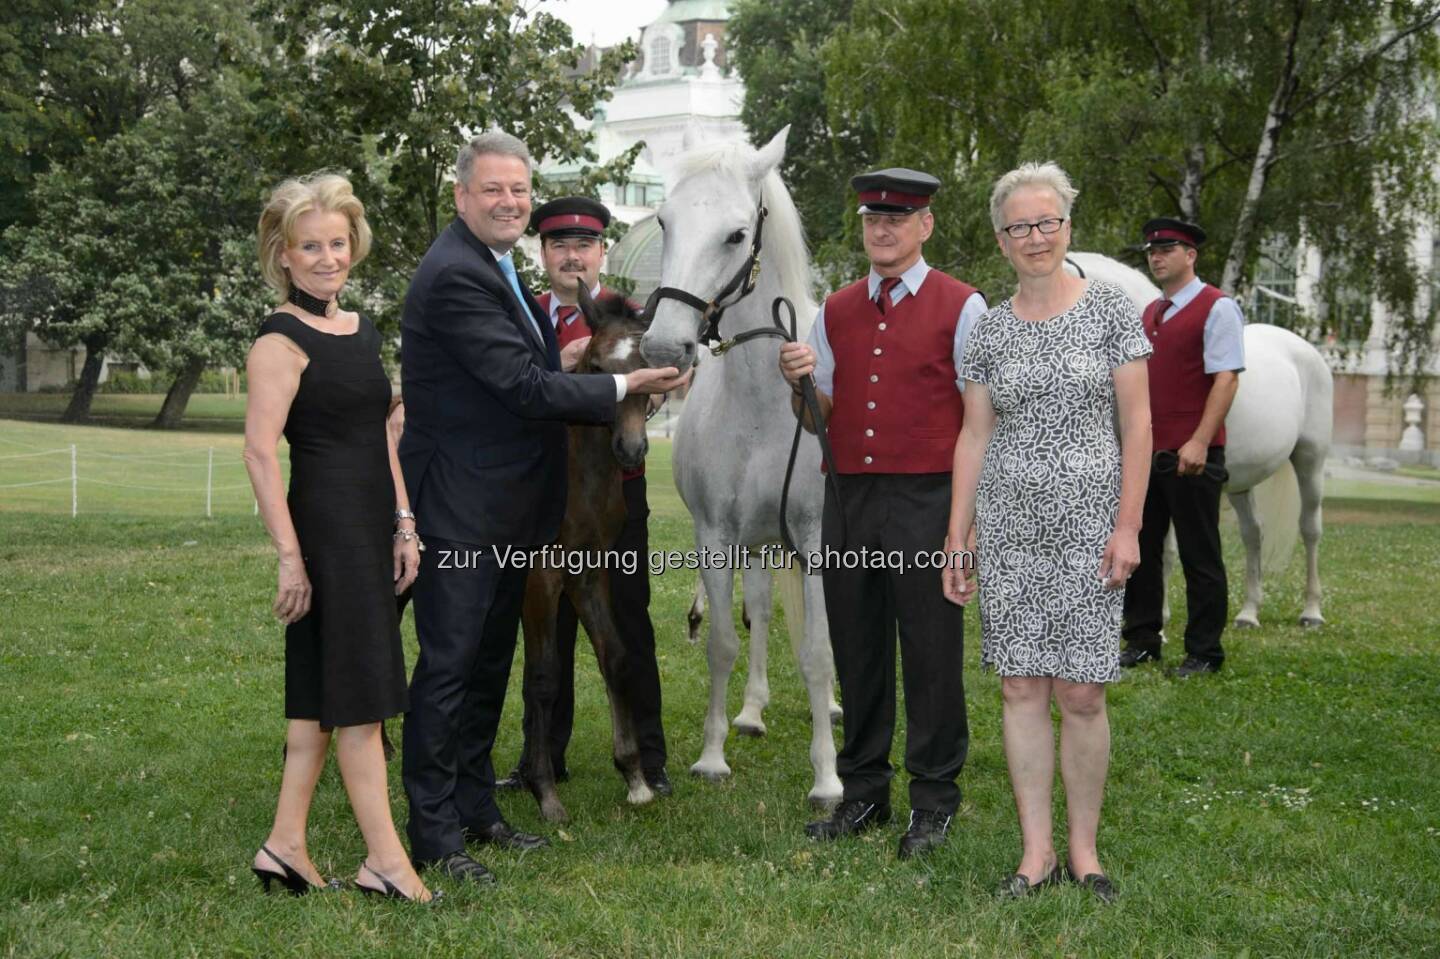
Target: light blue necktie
pixel 507 266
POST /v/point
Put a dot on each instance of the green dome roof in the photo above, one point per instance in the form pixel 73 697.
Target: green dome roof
pixel 683 11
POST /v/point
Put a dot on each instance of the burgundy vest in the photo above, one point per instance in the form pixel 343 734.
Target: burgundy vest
pixel 567 333
pixel 1179 384
pixel 896 408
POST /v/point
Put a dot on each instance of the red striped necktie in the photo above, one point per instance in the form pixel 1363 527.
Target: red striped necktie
pixel 887 286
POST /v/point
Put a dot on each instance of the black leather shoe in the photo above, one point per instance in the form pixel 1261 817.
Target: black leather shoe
pixel 1098 883
pixel 659 780
pixel 516 779
pixel 1132 656
pixel 1018 886
pixel 459 865
pixel 852 816
pixel 927 830
pixel 501 833
pixel 1195 666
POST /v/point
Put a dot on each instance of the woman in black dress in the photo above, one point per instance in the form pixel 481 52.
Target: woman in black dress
pixel 345 535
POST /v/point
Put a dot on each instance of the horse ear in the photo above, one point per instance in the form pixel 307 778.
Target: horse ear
pixel 768 157
pixel 588 309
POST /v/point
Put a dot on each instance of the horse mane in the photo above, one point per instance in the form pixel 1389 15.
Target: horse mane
pixel 785 254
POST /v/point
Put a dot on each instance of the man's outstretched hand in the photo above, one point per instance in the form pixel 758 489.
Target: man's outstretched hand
pixel 656 381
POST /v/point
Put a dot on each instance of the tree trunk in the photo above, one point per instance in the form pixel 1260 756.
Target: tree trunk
pixel 172 411
pixel 1266 153
pixel 79 409
pixel 1194 180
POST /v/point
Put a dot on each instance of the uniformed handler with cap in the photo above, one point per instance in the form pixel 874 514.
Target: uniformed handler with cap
pixel 572 248
pixel 884 352
pixel 1198 335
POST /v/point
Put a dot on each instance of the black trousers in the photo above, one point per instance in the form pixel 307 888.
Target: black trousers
pixel 905 515
pixel 467 611
pixel 630 604
pixel 1192 503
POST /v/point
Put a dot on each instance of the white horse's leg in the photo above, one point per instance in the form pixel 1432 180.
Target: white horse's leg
pixel 1252 536
pixel 792 598
pixel 755 582
pixel 810 640
pixel 720 652
pixel 1310 475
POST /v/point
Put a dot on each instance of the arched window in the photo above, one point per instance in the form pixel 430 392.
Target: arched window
pixel 660 55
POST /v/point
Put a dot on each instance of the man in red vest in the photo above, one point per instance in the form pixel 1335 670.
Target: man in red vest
pixel 572 248
pixel 884 351
pixel 1198 335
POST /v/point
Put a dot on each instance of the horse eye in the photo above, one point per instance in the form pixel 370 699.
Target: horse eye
pixel 735 237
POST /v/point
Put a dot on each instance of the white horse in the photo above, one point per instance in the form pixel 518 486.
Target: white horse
pixel 734 435
pixel 1282 416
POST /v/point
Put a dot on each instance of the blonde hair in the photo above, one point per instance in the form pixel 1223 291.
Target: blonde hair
pixel 323 192
pixel 1047 176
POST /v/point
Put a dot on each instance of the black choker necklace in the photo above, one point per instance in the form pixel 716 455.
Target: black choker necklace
pixel 308 303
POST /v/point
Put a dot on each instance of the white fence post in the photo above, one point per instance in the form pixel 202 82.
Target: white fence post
pixel 74 484
pixel 209 481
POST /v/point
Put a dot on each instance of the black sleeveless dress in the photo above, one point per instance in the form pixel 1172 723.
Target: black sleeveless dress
pixel 344 665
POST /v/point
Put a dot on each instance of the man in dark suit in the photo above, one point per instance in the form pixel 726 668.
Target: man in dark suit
pixel 483 453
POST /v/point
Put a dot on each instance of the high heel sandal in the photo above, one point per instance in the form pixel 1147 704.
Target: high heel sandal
pixel 392 891
pixel 293 881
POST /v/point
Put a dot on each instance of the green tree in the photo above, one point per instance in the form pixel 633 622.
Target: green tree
pixel 777 46
pixel 393 88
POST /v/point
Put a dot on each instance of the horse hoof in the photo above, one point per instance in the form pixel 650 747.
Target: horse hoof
pixel 825 799
pixel 1246 622
pixel 640 795
pixel 554 812
pixel 753 729
pixel 709 773
pixel 1312 622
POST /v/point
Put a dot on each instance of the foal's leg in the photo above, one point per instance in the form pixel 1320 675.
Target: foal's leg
pixel 1251 535
pixel 542 597
pixel 756 583
pixel 590 593
pixel 1309 463
pixel 720 651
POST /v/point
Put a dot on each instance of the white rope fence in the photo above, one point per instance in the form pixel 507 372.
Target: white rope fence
pixel 75 466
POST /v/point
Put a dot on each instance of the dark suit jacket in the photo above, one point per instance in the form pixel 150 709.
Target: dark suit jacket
pixel 483 450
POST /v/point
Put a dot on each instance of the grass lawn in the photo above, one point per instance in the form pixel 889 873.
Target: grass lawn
pixel 1286 807
pixel 206 412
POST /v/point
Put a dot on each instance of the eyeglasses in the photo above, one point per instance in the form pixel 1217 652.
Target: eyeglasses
pixel 1020 231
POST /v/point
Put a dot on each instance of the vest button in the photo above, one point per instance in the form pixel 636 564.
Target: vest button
pixel 869 432
pixel 870 405
pixel 882 326
pixel 874 378
pixel 877 351
pixel 869 460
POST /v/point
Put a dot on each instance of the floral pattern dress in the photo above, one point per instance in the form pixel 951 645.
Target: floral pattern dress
pixel 1050 485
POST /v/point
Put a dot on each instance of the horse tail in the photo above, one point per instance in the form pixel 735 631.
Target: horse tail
pixel 1277 506
pixel 791 578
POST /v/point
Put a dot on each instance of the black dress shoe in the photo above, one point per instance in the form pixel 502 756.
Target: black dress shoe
pixel 659 780
pixel 1195 666
pixel 1132 656
pixel 1098 883
pixel 927 830
pixel 501 833
pixel 1018 886
pixel 516 779
pixel 852 816
pixel 459 865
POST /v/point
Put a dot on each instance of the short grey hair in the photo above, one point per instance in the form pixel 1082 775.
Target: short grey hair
pixel 491 141
pixel 1047 176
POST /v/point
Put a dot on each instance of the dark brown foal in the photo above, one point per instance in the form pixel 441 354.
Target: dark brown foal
pixel 594 515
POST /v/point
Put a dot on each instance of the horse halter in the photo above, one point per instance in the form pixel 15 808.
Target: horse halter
pixel 741 285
